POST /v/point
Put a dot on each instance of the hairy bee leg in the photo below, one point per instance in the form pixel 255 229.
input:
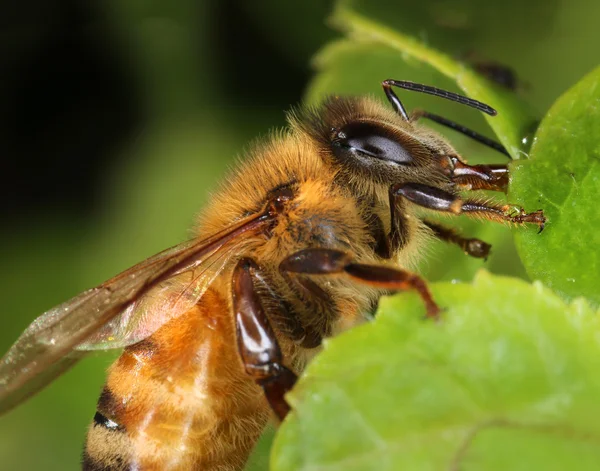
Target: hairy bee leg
pixel 329 261
pixel 286 323
pixel 399 232
pixel 256 340
pixel 473 247
pixel 398 235
pixel 382 244
pixel 282 313
pixel 440 200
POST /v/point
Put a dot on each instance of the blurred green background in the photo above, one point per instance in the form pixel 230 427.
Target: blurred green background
pixel 118 118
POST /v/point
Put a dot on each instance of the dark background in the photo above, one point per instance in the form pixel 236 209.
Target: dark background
pixel 72 98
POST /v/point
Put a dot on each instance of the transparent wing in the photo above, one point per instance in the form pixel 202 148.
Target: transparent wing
pixel 165 301
pixel 119 312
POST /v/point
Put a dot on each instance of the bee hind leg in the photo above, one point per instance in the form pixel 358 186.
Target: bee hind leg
pixel 256 340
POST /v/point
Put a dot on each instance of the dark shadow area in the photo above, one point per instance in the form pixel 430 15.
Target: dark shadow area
pixel 70 98
pixel 68 102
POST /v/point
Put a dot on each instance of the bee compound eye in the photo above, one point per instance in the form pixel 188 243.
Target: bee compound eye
pixel 370 141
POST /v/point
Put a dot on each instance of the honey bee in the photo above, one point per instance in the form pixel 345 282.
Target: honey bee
pixel 299 244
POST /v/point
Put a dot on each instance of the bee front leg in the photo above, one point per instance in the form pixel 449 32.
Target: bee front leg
pixel 399 231
pixel 440 200
pixel 471 177
pixel 256 340
pixel 479 177
pixel 396 238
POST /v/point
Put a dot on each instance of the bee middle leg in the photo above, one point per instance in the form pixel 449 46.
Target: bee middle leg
pixel 321 261
pixel 473 247
pixel 256 340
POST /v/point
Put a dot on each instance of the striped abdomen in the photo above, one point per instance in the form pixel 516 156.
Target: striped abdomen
pixel 179 400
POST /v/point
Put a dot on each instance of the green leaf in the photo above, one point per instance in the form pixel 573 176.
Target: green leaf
pixel 514 121
pixel 259 459
pixel 508 380
pixel 563 178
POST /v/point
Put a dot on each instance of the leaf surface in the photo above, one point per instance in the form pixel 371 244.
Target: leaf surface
pixel 563 178
pixel 508 380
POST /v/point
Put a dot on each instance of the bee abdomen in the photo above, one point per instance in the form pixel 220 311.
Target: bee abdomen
pixel 179 400
pixel 92 464
pixel 107 447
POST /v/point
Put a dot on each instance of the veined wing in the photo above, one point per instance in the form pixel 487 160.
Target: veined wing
pixel 118 312
pixel 164 301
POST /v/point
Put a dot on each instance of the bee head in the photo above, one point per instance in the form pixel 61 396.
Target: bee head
pixel 364 139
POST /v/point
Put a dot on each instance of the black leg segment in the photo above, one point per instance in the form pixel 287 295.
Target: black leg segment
pixel 473 247
pixel 398 235
pixel 256 340
pixel 440 200
pixel 321 261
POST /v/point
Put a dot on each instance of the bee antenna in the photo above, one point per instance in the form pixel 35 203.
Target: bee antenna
pixel 418 87
pixel 415 115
